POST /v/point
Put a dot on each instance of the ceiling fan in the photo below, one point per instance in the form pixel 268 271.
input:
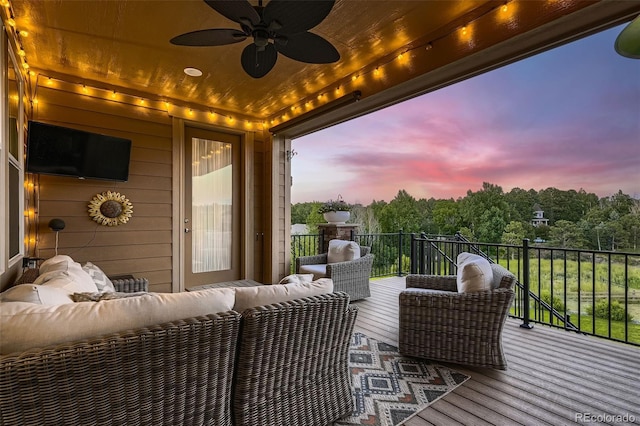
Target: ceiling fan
pixel 282 26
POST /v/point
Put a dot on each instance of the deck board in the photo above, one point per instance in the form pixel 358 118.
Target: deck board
pixel 553 374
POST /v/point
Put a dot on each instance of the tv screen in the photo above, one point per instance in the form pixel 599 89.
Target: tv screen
pixel 56 150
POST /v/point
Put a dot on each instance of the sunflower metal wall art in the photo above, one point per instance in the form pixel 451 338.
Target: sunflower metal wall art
pixel 110 208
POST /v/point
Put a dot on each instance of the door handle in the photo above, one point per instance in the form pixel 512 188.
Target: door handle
pixel 187 230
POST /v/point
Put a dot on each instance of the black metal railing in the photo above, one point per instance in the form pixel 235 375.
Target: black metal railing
pixel 588 291
pixel 392 250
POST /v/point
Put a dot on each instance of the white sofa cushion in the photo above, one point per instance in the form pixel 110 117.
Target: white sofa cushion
pixel 297 279
pixel 100 279
pixel 249 297
pixel 25 325
pixel 33 293
pixel 342 251
pixel 318 271
pixel 474 273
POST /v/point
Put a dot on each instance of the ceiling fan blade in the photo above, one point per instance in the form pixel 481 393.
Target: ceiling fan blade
pixel 257 63
pixel 235 10
pixel 297 16
pixel 212 37
pixel 310 48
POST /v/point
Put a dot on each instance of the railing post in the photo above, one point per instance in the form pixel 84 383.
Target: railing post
pixel 321 241
pixel 412 254
pixel 421 265
pixel 525 283
pixel 400 253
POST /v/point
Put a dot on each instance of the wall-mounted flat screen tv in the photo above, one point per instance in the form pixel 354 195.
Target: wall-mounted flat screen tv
pixel 56 150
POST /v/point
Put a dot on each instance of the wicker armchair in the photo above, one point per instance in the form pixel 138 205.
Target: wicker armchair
pixel 292 366
pixel 351 277
pixel 438 323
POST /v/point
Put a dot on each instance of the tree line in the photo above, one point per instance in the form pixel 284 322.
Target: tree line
pixel 576 219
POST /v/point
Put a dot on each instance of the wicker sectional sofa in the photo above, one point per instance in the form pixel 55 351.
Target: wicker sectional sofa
pixel 192 359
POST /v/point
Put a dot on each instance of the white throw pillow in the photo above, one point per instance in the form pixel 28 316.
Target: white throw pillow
pixel 297 279
pixel 58 262
pixel 249 297
pixel 342 251
pixel 474 273
pixel 63 272
pixel 100 279
pixel 25 325
pixel 33 293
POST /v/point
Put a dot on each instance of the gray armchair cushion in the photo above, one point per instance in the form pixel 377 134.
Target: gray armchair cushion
pixel 318 271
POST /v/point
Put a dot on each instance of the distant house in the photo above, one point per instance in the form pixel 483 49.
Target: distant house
pixel 538 216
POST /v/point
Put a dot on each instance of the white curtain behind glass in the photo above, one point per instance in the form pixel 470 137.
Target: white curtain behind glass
pixel 212 197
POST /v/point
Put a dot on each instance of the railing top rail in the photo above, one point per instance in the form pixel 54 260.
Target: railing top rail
pixel 539 248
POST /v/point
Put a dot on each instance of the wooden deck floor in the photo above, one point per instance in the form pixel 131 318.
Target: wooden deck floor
pixel 554 377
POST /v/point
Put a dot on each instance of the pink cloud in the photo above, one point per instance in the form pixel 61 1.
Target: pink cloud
pixel 521 126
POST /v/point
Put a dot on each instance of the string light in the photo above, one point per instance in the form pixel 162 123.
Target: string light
pixel 377 71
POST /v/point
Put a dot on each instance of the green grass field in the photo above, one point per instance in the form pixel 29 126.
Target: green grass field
pixel 585 323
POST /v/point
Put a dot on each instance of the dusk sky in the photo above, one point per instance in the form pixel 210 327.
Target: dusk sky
pixel 568 118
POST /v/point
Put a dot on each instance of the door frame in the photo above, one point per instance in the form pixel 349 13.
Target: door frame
pixel 247 196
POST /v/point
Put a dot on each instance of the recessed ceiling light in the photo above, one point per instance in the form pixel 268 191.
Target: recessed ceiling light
pixel 193 72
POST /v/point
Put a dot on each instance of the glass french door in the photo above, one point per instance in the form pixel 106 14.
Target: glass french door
pixel 212 207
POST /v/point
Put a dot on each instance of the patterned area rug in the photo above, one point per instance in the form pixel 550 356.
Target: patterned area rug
pixel 390 388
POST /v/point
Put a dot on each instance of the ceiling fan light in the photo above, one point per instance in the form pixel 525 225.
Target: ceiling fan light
pixel 193 72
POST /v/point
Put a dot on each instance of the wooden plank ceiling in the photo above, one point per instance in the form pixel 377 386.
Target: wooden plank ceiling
pixel 124 45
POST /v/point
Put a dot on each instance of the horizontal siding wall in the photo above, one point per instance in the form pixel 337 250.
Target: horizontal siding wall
pixel 141 247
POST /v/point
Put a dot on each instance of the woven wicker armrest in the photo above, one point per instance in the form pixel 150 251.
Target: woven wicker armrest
pixel 434 282
pixel 130 285
pixel 311 260
pixel 476 301
pixel 307 360
pixel 361 265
